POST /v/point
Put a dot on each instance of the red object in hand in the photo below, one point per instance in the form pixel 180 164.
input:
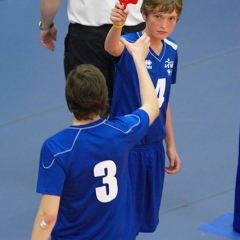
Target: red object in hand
pixel 126 2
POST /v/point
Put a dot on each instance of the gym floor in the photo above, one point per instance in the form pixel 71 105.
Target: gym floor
pixel 198 202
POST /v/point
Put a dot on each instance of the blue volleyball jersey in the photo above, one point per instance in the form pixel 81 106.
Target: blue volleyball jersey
pixel 162 70
pixel 86 166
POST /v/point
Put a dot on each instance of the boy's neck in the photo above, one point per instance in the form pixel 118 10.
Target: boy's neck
pixel 83 121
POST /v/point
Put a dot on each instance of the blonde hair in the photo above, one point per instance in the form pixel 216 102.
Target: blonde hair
pixel 164 6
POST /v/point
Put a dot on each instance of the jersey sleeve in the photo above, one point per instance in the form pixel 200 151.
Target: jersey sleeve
pixel 51 175
pixel 140 128
pixel 173 51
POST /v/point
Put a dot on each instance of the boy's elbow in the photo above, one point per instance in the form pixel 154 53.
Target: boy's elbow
pixel 105 47
pixel 108 48
pixel 50 219
pixel 111 51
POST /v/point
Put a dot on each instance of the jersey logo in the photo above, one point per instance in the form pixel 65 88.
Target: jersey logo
pixel 148 64
pixel 169 66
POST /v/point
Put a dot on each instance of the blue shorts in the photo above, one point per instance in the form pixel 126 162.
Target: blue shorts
pixel 147 170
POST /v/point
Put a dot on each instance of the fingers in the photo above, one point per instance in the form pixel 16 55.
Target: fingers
pixel 119 6
pixel 146 39
pixel 47 39
pixel 54 37
pixel 118 15
pixel 139 48
pixel 173 169
pixel 124 41
pixel 49 45
pixel 145 43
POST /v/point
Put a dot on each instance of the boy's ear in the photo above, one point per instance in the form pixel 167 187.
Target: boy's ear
pixel 144 16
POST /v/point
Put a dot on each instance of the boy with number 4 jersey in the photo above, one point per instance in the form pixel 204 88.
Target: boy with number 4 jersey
pixel 147 159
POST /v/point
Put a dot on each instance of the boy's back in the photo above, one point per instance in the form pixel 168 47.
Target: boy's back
pixel 73 156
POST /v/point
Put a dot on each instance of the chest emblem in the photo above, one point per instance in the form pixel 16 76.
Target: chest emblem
pixel 169 66
pixel 148 64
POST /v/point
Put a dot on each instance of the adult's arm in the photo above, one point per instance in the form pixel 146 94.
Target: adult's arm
pixel 48 10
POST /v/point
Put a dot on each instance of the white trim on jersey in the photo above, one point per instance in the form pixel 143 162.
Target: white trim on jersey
pixel 131 127
pixel 172 44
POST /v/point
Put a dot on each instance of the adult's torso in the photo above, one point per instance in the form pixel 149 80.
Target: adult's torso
pixel 97 12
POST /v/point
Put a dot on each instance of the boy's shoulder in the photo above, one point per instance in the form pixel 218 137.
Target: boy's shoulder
pixel 169 41
pixel 129 121
pixel 132 37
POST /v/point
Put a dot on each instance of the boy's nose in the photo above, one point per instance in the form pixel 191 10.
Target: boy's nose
pixel 163 23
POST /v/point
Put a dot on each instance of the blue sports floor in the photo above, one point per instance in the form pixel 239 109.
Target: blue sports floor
pixel 197 202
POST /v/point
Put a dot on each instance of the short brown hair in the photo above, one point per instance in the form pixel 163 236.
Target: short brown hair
pixel 86 92
pixel 164 6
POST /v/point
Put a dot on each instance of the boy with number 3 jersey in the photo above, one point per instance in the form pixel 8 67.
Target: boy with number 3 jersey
pixel 83 174
pixel 147 159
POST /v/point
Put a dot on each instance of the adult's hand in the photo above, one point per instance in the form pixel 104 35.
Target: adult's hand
pixel 48 37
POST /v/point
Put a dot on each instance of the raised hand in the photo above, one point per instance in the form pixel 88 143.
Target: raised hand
pixel 118 15
pixel 139 49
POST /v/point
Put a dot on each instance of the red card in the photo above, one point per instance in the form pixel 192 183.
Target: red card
pixel 126 2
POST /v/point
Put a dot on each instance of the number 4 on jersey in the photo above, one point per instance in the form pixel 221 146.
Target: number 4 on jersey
pixel 160 90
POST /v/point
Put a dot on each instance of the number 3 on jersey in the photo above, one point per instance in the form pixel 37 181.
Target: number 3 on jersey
pixel 109 178
pixel 160 90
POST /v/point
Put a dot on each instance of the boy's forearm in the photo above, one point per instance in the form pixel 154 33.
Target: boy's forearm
pixel 145 83
pixel 48 10
pixel 147 90
pixel 112 43
pixel 169 140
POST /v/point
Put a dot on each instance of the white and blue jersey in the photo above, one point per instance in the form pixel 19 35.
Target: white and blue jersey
pixel 162 70
pixel 86 166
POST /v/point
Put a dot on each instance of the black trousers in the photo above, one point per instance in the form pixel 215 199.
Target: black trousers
pixel 85 44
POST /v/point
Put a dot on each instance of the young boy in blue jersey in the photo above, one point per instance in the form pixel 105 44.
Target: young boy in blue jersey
pixel 236 218
pixel 83 171
pixel 147 159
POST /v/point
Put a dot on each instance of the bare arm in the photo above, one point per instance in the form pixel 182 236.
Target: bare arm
pixel 139 51
pixel 46 217
pixel 113 45
pixel 173 157
pixel 48 10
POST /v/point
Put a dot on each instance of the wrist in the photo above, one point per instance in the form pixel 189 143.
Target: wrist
pixel 116 26
pixel 45 28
